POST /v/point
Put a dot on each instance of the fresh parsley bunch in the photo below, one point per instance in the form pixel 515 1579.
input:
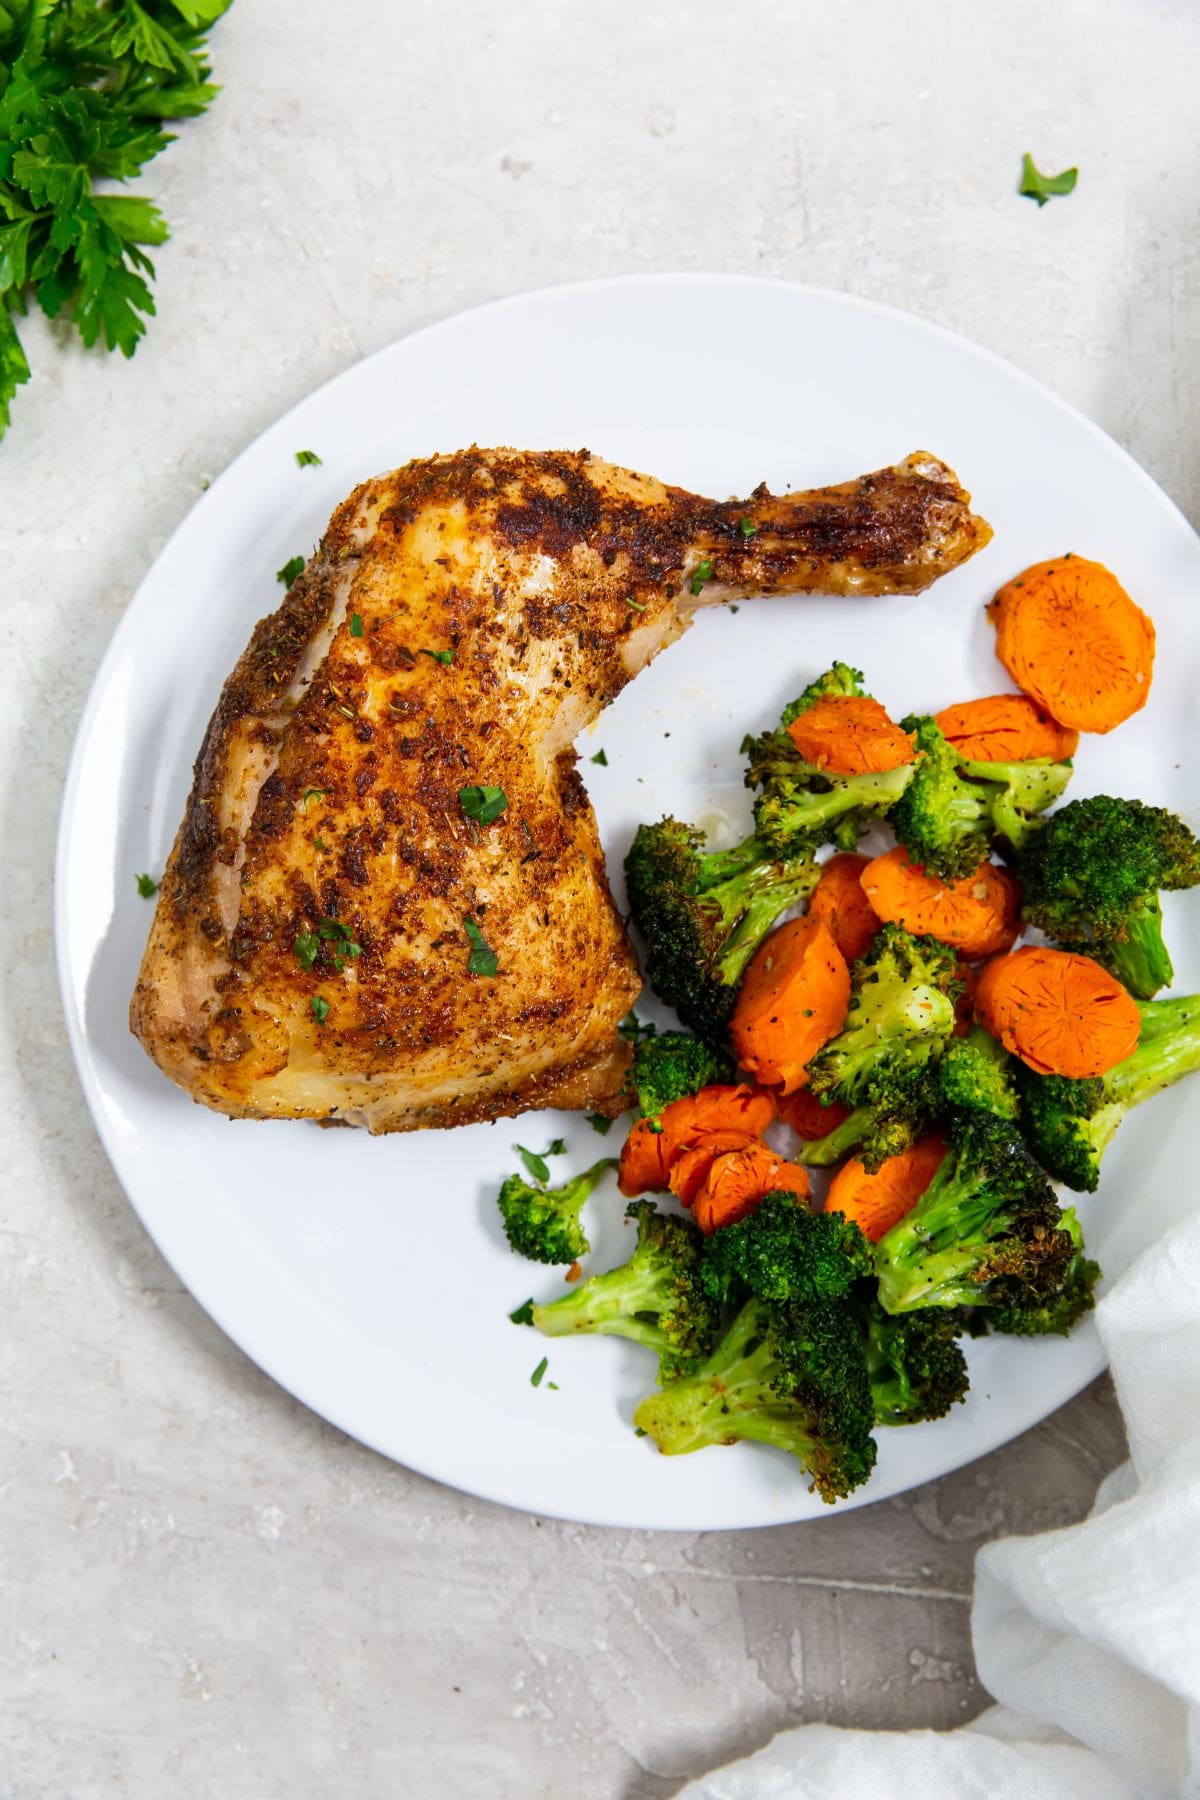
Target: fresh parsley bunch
pixel 84 88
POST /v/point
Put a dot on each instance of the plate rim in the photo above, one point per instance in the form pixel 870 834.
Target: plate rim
pixel 77 1035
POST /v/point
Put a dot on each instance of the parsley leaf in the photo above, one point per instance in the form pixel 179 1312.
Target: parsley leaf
pixel 747 527
pixel 484 804
pixel 356 625
pixel 308 948
pixel 316 794
pixel 1039 187
pixel 535 1380
pixel 147 887
pixel 537 1165
pixel 85 90
pixel 320 1009
pixel 637 605
pixel 704 572
pixel 599 1123
pixel 600 758
pixel 635 1029
pixel 482 960
pixel 292 567
pixel 523 1314
pixel 306 458
pixel 442 656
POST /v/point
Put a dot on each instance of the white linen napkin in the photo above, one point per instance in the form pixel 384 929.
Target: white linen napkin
pixel 1088 1637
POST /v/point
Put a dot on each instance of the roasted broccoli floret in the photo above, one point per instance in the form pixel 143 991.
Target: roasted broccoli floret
pixel 986 1231
pixel 974 1074
pixel 784 1251
pixel 801 806
pixel 542 1223
pixel 1091 879
pixel 952 809
pixel 916 1367
pixel 1069 1124
pixel 656 1298
pixel 672 1064
pixel 1030 1315
pixel 901 1016
pixel 702 914
pixel 790 1375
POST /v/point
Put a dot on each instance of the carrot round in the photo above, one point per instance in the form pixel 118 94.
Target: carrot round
pixel 690 1168
pixel 976 916
pixel 1071 638
pixel 793 999
pixel 808 1117
pixel 839 902
pixel 648 1155
pixel 737 1181
pixel 879 1201
pixel 1005 728
pixel 850 735
pixel 1062 1014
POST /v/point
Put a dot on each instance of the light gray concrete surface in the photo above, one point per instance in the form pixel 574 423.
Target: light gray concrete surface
pixel 206 1590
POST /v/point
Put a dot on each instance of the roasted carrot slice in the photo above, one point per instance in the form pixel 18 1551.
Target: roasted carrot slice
pixel 1005 728
pixel 648 1155
pixel 793 998
pixel 850 735
pixel 1062 1014
pixel 1072 639
pixel 690 1168
pixel 737 1181
pixel 976 916
pixel 807 1116
pixel 877 1202
pixel 839 901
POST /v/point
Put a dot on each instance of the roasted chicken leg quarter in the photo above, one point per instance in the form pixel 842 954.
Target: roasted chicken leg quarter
pixel 330 917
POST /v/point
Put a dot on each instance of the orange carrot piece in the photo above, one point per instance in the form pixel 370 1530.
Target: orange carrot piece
pixel 976 916
pixel 1062 1014
pixel 807 1116
pixel 1005 728
pixel 879 1201
pixel 849 735
pixel 690 1167
pixel 838 900
pixel 737 1181
pixel 648 1155
pixel 793 999
pixel 1071 638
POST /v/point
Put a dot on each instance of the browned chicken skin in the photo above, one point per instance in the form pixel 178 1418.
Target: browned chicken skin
pixel 463 619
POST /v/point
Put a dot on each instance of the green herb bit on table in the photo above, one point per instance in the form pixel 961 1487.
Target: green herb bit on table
pixel 1039 187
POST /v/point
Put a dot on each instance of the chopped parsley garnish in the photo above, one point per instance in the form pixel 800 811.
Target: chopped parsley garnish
pixel 147 887
pixel 601 759
pixel 535 1380
pixel 339 937
pixel 292 567
pixel 483 959
pixel 637 605
pixel 635 1029
pixel 747 527
pixel 319 843
pixel 483 804
pixel 599 1123
pixel 704 572
pixel 356 625
pixel 537 1165
pixel 442 656
pixel 1039 187
pixel 524 1313
pixel 308 948
pixel 306 458
pixel 320 1009
pixel 314 794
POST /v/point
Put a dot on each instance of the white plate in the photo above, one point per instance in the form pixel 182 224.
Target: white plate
pixel 369 1276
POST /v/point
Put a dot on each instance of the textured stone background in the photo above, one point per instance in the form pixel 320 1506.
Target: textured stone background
pixel 205 1589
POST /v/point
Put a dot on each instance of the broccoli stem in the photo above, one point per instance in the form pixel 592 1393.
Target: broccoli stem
pixel 609 1304
pixel 928 1258
pixel 822 1153
pixel 729 1397
pixel 1141 960
pixel 1167 1050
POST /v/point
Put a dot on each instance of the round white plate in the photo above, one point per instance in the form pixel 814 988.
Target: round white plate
pixel 369 1276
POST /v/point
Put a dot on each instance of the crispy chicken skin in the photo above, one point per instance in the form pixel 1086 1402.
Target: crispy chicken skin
pixel 327 785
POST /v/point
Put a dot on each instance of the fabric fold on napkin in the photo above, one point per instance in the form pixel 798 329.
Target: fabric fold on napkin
pixel 1088 1637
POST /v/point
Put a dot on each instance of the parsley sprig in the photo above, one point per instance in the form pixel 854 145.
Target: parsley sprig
pixel 84 92
pixel 336 936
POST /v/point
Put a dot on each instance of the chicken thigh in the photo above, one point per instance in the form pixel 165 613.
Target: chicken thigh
pixel 335 938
